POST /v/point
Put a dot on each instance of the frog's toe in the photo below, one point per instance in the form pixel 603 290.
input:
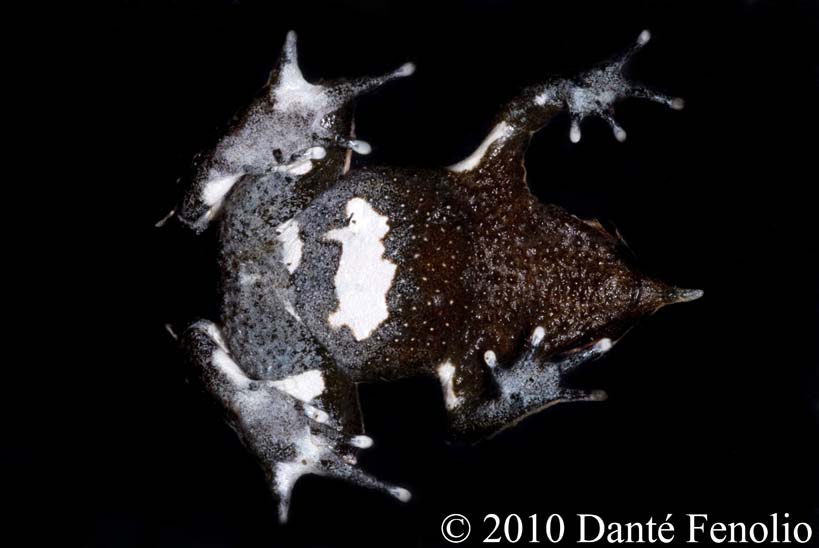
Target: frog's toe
pixel 571 360
pixel 357 476
pixel 639 92
pixel 574 394
pixel 348 89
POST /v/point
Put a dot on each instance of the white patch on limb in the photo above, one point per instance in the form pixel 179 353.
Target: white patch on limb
pixel 294 92
pixel 215 190
pixel 281 293
pixel 364 277
pixel 232 371
pixel 304 386
pixel 446 374
pixel 288 306
pixel 499 133
pixel 216 335
pixel 288 236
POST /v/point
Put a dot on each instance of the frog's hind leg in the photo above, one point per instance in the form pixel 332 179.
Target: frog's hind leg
pixel 283 423
pixel 509 394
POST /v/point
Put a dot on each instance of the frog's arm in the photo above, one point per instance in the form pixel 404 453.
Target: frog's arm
pixel 593 93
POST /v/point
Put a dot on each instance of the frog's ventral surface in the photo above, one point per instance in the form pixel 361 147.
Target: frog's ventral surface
pixel 332 277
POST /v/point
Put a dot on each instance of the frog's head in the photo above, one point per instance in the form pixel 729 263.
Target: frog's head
pixel 599 289
pixel 639 296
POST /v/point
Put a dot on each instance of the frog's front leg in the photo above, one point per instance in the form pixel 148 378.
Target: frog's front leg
pixel 281 422
pixel 500 395
pixel 593 93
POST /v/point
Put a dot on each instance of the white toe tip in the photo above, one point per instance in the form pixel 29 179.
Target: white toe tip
pixel 537 335
pixel 677 103
pixel 574 135
pixel 362 442
pixel 620 134
pixel 401 494
pixel 604 345
pixel 361 147
pixel 405 70
pixel 644 37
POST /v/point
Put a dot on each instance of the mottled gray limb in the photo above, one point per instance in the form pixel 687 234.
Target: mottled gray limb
pixel 289 437
pixel 593 93
pixel 533 382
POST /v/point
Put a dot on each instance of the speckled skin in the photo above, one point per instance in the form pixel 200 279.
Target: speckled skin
pixel 508 292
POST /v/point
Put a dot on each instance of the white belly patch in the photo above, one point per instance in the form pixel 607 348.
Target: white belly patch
pixel 364 276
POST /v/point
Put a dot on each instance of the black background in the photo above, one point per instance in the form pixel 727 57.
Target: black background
pixel 712 406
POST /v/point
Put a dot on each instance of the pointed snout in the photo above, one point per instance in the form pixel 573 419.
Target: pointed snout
pixel 679 295
pixel 655 295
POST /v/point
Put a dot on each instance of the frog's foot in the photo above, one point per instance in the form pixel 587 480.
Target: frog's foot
pixel 316 454
pixel 533 382
pixel 595 92
pixel 282 422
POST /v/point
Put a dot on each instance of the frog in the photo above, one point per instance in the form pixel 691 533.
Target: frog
pixel 332 276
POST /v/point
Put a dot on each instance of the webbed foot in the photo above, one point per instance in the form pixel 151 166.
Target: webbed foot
pixel 282 422
pixel 595 92
pixel 534 381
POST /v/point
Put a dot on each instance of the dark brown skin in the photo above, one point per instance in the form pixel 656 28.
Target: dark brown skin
pixel 492 292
